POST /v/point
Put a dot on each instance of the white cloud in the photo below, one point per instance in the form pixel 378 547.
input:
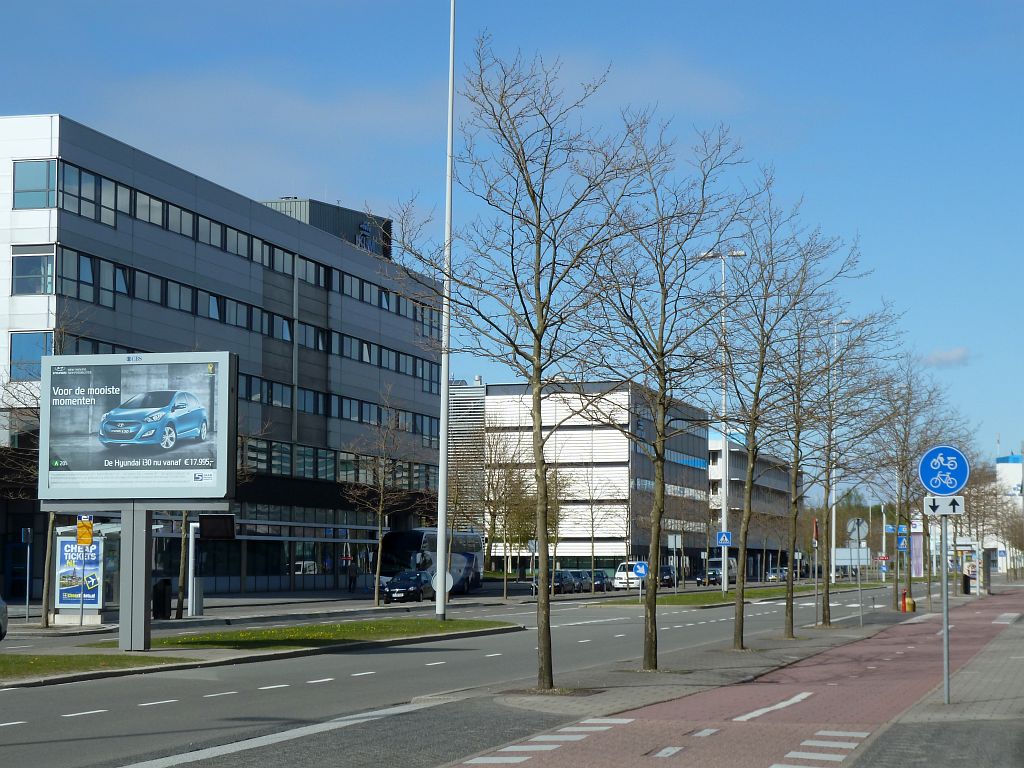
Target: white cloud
pixel 948 358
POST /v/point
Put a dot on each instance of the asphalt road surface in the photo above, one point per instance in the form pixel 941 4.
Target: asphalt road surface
pixel 416 705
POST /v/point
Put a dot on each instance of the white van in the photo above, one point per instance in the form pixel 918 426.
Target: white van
pixel 624 576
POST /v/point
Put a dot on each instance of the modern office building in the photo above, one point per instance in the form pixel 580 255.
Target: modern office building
pixel 601 479
pixel 769 526
pixel 105 248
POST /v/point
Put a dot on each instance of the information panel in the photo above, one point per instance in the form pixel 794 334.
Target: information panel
pixel 138 426
pixel 79 566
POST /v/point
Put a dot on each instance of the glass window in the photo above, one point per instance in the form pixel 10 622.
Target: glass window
pixel 35 184
pixel 106 292
pixel 180 296
pixel 124 199
pixel 281 459
pixel 26 351
pixel 32 270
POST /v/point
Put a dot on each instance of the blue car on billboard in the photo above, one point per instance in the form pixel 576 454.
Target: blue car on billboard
pixel 160 417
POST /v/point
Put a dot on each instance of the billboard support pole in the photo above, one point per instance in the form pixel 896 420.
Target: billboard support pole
pixel 193 529
pixel 136 577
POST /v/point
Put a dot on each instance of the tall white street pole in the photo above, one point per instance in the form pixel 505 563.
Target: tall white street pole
pixel 885 575
pixel 832 449
pixel 725 445
pixel 441 580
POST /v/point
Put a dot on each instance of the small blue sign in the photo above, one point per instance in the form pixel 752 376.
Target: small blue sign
pixel 640 569
pixel 725 538
pixel 889 528
pixel 884 569
pixel 901 543
pixel 903 529
pixel 943 470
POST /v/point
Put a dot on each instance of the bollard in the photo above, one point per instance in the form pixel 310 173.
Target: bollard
pixel 911 604
pixel 903 602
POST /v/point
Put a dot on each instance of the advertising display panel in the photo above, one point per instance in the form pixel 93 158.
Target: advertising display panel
pixel 79 566
pixel 137 426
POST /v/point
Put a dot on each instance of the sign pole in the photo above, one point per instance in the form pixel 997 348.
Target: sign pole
pixel 81 596
pixel 860 594
pixel 945 610
pixel 28 576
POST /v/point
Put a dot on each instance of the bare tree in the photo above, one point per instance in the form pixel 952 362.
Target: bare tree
pixel 383 456
pixel 518 277
pixel 783 269
pixel 652 312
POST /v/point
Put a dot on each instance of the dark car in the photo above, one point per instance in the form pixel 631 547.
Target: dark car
pixel 408 586
pixel 713 576
pixel 602 581
pixel 560 582
pixel 666 576
pixel 584 579
pixel 159 417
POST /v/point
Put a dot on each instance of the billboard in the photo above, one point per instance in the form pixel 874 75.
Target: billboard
pixel 79 573
pixel 137 426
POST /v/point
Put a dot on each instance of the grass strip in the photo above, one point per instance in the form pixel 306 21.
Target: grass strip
pixel 318 635
pixel 714 596
pixel 18 666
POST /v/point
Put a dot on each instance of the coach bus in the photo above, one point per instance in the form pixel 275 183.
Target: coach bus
pixel 416 550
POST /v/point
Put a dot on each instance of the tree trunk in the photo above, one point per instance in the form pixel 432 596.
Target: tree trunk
pixel 545 674
pixel 741 559
pixel 44 619
pixel 794 514
pixel 654 548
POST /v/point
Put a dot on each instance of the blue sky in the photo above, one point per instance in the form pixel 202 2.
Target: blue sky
pixel 899 124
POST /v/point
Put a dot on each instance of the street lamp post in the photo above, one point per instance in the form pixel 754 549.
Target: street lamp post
pixel 441 564
pixel 725 431
pixel 832 451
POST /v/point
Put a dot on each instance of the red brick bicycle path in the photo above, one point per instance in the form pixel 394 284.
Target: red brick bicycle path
pixel 816 712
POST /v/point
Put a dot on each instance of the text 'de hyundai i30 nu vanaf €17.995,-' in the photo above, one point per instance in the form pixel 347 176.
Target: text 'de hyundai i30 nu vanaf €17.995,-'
pixel 159 418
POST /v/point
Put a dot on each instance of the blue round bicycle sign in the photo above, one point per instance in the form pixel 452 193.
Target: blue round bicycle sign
pixel 943 470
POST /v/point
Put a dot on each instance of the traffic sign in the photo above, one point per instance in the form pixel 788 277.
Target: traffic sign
pixel 943 505
pixel 725 538
pixel 84 530
pixel 883 558
pixel 943 470
pixel 889 528
pixel 857 528
pixel 884 568
pixel 901 543
pixel 903 529
pixel 640 569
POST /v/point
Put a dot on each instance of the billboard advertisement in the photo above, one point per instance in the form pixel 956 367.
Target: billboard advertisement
pixel 78 565
pixel 137 426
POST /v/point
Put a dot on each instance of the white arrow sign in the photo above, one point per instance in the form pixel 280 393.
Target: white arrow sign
pixel 943 505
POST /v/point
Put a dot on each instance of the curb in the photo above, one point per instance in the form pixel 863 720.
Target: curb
pixel 251 659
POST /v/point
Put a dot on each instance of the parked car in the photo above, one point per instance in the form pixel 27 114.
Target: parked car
pixel 3 618
pixel 624 576
pixel 712 576
pixel 561 583
pixel 159 417
pixel 408 586
pixel 776 574
pixel 667 576
pixel 602 581
pixel 584 579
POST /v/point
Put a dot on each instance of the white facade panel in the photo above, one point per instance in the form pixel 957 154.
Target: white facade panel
pixel 589 445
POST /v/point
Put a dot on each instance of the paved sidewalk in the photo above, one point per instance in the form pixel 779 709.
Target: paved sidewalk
pixel 983 725
pixel 618 725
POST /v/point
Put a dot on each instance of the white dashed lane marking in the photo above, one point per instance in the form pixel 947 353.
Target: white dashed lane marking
pixel 13 722
pixel 89 712
pixel 781 705
pixel 158 703
pixel 434 663
pixel 222 693
pixel 361 674
pixel 491 655
pixel 321 680
pixel 560 737
pixel 272 687
pixel 530 748
pixel 667 752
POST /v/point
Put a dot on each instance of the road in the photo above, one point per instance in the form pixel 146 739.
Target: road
pixel 312 707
